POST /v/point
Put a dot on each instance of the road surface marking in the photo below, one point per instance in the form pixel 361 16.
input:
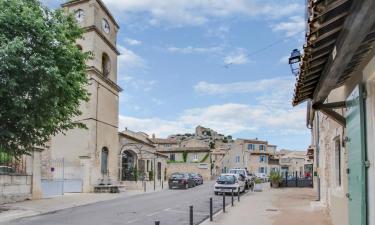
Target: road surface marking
pixel 132 221
pixel 152 214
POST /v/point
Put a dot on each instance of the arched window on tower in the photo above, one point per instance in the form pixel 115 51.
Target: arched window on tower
pixel 106 65
pixel 104 161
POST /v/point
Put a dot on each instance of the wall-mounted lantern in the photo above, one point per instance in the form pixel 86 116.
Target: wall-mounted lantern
pixel 294 60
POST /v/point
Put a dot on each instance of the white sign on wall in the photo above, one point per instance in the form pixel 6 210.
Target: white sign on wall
pixel 203 165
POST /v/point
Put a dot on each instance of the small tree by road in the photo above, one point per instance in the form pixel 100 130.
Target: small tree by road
pixel 42 75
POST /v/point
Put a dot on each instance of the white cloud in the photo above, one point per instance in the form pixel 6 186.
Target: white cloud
pixel 218 32
pixel 243 87
pixel 129 59
pixel 270 112
pixel 130 41
pixel 238 57
pixel 284 60
pixel 230 118
pixel 195 50
pixel 140 84
pixel 157 101
pixel 295 25
pixel 198 12
pixel 160 127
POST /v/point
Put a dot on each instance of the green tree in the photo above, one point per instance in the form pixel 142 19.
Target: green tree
pixel 42 74
pixel 184 156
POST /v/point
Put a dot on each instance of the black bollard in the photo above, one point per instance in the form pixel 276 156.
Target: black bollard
pixel 162 185
pixel 191 215
pixel 157 222
pixel 232 197
pixel 211 210
pixel 224 202
pixel 144 185
pixel 238 195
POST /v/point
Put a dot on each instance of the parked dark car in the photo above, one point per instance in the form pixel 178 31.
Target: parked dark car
pixel 197 177
pixel 181 180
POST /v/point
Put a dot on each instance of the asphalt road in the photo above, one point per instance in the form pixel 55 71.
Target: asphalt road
pixel 170 207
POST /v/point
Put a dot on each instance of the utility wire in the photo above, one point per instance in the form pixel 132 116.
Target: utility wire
pixel 267 47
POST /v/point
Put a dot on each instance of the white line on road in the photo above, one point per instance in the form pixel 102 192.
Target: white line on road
pixel 152 214
pixel 132 221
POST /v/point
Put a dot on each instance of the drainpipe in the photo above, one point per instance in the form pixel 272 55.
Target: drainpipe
pixel 317 151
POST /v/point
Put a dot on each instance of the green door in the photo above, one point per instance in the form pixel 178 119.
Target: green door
pixel 356 144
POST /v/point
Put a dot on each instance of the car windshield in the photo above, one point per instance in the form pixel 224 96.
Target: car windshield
pixel 226 178
pixel 237 172
pixel 177 175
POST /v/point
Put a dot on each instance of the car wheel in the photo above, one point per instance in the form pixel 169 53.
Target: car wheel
pixel 216 193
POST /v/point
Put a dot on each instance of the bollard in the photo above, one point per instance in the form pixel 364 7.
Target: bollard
pixel 223 202
pixel 157 222
pixel 144 185
pixel 232 197
pixel 238 195
pixel 191 215
pixel 162 185
pixel 211 211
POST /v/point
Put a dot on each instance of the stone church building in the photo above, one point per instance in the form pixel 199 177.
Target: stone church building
pixel 90 156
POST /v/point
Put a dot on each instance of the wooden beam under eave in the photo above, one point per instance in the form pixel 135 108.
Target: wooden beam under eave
pixel 356 27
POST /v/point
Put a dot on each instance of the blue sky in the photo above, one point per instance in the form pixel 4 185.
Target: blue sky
pixel 220 64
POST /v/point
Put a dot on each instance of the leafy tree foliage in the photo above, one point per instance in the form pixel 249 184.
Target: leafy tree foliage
pixel 42 74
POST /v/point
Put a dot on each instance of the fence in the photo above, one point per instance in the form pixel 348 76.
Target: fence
pixel 295 181
pixel 11 165
pixel 15 179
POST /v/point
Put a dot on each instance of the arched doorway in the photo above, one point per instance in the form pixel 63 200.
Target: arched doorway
pixel 128 164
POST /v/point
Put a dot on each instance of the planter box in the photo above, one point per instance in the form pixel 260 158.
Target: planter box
pixel 275 184
pixel 258 187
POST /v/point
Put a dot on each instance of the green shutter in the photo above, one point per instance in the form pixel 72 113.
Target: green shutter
pixel 356 146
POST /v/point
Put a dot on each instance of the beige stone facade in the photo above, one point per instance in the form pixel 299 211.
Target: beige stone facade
pixel 138 158
pixel 91 154
pixel 339 88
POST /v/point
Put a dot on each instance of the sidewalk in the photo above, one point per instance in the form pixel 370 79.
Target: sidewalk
pixel 284 206
pixel 18 210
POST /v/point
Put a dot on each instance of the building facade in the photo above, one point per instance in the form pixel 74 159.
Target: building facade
pixel 90 155
pixel 139 159
pixel 336 78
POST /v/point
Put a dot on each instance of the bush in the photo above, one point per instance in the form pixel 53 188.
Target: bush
pixel 258 181
pixel 184 156
pixel 275 177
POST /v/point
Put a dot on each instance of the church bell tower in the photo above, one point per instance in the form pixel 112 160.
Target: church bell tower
pixel 93 151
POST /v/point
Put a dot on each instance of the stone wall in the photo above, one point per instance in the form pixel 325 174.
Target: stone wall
pixel 201 168
pixel 15 188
